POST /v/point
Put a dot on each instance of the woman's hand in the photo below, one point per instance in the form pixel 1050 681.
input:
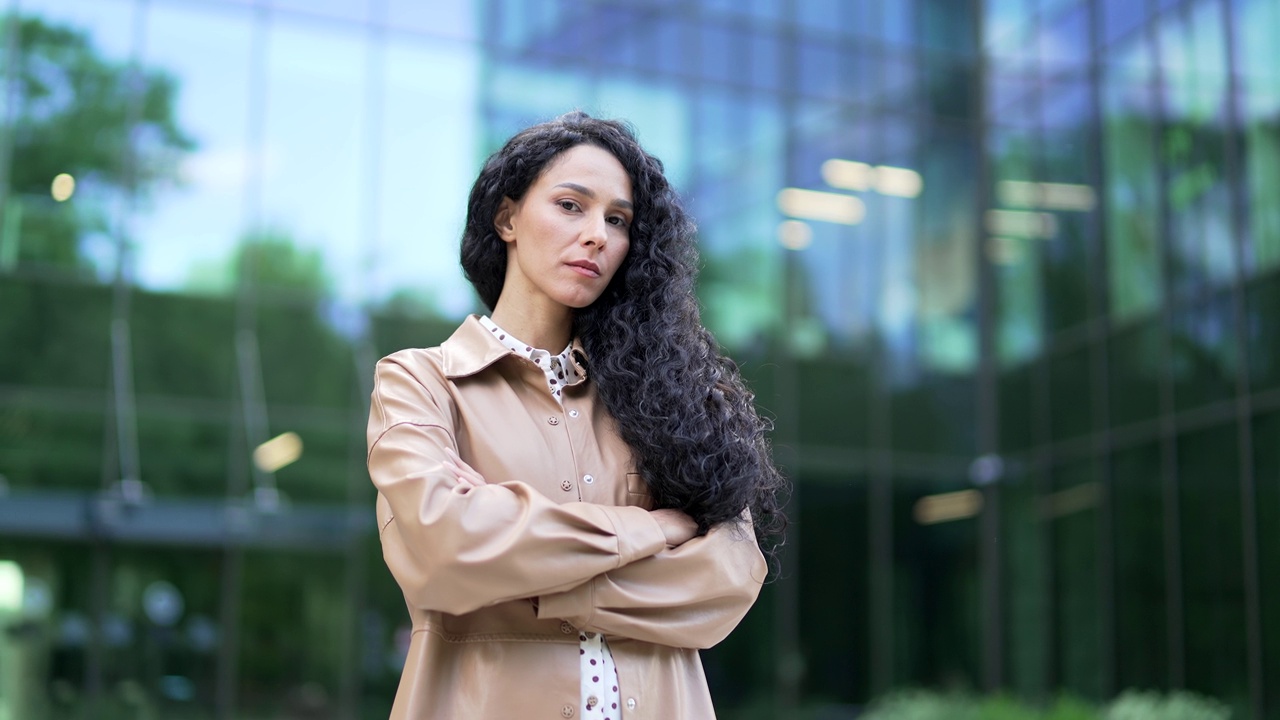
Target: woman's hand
pixel 676 525
pixel 466 475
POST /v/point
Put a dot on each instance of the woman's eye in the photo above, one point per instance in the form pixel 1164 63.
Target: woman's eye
pixel 619 221
pixel 568 205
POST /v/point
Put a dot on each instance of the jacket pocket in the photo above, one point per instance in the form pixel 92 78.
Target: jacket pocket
pixel 638 492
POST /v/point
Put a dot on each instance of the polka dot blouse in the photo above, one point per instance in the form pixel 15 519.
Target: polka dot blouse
pixel 598 675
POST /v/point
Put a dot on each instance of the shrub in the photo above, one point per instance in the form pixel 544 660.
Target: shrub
pixel 1179 705
pixel 922 705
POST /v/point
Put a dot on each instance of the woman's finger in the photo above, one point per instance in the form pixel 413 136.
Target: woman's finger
pixel 462 472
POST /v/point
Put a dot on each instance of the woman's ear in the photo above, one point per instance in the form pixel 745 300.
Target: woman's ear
pixel 503 220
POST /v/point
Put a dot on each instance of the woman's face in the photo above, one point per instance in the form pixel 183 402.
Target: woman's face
pixel 569 233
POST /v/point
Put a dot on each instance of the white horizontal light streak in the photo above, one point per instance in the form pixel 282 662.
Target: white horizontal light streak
pixel 898 181
pixel 277 452
pixel 934 509
pixel 1021 223
pixel 821 206
pixel 1046 196
pixel 1072 500
pixel 848 175
pixel 884 179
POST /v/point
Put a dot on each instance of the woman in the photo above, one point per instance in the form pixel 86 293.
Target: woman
pixel 572 492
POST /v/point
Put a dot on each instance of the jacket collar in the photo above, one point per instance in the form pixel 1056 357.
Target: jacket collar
pixel 471 349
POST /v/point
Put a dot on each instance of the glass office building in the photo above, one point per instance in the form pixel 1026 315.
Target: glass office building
pixel 1006 275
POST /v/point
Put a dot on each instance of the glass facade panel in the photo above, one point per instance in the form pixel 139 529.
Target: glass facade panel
pixel 837 390
pixel 454 19
pixel 1191 45
pixel 1212 565
pixel 1018 416
pixel 1070 400
pixel 1028 600
pixel 1258 103
pixel 1064 36
pixel 833 600
pixel 1266 472
pixel 420 206
pixel 1131 175
pixel 936 591
pixel 188 238
pixel 1142 589
pixel 1137 360
pixel 1072 513
pixel 1121 19
pixel 1261 300
pixel 309 159
pixel 1203 358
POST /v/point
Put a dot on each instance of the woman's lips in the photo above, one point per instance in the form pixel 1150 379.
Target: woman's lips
pixel 586 267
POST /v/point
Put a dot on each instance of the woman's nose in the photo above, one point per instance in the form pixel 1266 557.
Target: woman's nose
pixel 596 232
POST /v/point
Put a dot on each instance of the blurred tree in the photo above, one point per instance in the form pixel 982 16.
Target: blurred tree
pixel 109 124
pixel 276 264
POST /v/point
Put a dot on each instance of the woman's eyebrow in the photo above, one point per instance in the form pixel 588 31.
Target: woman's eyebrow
pixel 624 204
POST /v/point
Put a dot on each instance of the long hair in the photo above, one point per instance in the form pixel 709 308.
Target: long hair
pixel 679 404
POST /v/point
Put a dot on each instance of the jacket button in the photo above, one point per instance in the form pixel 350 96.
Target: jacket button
pixel 588 479
pixel 566 486
pixel 553 420
pixel 567 711
pixel 567 628
pixel 631 703
pixel 573 413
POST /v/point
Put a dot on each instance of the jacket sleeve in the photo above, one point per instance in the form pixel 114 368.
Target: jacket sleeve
pixel 690 596
pixel 457 549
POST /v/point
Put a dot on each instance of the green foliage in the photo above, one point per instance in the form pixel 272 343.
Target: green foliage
pixel 914 704
pixel 1068 707
pixel 110 124
pixel 1180 705
pixel 1003 707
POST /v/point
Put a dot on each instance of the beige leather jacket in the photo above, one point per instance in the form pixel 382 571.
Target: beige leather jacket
pixel 499 578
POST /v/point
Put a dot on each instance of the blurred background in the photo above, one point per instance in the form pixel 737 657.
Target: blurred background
pixel 1004 272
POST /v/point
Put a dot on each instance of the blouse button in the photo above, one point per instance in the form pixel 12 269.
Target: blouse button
pixel 567 711
pixel 553 420
pixel 592 701
pixel 631 703
pixel 567 628
pixel 573 413
pixel 566 486
pixel 588 479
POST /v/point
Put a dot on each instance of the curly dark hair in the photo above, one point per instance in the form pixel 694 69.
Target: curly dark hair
pixel 679 404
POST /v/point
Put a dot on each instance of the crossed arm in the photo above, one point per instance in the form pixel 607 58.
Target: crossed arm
pixel 690 594
pixel 456 542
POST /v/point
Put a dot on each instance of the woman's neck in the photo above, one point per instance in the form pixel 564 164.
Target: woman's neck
pixel 547 328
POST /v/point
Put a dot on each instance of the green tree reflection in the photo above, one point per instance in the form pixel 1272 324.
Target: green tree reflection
pixel 109 124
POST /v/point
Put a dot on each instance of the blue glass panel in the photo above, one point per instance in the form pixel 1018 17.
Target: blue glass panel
pixel 426 164
pixel 188 241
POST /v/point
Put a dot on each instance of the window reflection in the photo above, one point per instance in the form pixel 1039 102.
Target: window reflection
pixel 324 149
pixel 1074 537
pixel 420 202
pixel 1142 638
pixel 187 242
pixel 1213 572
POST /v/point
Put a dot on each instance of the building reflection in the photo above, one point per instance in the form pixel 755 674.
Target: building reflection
pixel 1004 274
